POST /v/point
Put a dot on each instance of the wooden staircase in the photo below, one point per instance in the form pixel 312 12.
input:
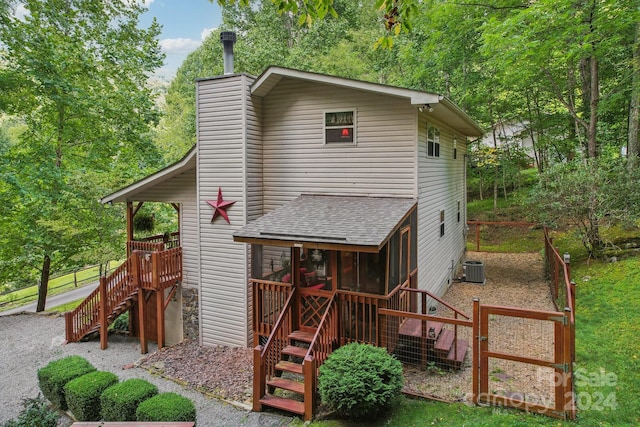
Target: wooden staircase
pixel 436 344
pixel 123 306
pixel 118 292
pixel 286 390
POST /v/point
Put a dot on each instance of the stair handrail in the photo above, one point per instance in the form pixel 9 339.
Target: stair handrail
pixel 449 306
pixel 86 315
pixel 326 336
pixel 271 351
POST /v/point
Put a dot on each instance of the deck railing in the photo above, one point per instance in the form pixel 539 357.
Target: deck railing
pixel 323 343
pixel 159 242
pixel 151 270
pixel 269 299
pixel 158 270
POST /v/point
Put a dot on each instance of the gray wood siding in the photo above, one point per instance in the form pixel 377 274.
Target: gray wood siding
pixel 440 186
pixel 297 161
pixel 222 136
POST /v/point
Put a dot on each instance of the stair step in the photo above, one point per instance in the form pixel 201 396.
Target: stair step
pixel 460 352
pixel 295 368
pixel 302 336
pixel 292 350
pixel 284 404
pixel 413 328
pixel 443 343
pixel 287 385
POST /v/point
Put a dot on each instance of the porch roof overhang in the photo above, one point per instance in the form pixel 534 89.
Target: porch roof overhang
pixel 441 107
pixel 136 191
pixel 355 223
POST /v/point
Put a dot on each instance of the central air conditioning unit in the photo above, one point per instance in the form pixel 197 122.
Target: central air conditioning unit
pixel 473 271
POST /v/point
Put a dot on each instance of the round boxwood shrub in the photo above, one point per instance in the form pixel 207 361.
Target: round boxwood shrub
pixel 120 401
pixel 83 394
pixel 360 380
pixel 166 407
pixel 53 377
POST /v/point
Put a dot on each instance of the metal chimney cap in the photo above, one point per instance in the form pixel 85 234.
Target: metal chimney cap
pixel 229 36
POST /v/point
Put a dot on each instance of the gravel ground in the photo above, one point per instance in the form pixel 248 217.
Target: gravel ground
pixel 29 342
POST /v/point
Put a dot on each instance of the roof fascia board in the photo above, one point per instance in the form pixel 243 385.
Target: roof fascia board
pixel 161 175
pixel 265 83
pixel 272 75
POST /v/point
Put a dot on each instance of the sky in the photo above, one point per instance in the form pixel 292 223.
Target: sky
pixel 185 23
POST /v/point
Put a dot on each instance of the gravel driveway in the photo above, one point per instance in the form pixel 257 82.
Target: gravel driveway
pixel 28 342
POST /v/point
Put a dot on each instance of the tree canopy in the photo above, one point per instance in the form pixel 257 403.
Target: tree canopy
pixel 73 74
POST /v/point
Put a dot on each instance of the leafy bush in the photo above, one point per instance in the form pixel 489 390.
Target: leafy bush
pixel 53 377
pixel 360 380
pixel 122 322
pixel 36 413
pixel 120 401
pixel 166 407
pixel 83 394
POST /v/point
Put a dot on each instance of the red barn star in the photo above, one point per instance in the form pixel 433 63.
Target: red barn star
pixel 220 207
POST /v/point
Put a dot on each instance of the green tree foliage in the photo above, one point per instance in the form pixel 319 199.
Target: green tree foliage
pixel 587 194
pixel 75 73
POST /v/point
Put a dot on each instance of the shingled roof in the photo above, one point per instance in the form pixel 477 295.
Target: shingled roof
pixel 366 223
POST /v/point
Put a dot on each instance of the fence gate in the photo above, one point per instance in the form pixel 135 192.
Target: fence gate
pixel 523 360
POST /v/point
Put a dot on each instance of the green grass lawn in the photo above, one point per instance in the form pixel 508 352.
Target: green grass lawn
pixel 56 286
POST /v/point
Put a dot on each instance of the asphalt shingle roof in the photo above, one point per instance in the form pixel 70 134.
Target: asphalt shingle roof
pixel 345 220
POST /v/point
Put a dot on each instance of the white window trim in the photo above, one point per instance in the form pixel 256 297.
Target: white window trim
pixel 436 142
pixel 325 127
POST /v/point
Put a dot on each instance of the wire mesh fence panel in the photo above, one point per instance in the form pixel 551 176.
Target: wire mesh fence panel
pixel 522 338
pixel 436 356
pixel 521 358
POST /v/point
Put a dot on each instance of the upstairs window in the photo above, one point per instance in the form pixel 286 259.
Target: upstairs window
pixel 433 141
pixel 441 223
pixel 339 127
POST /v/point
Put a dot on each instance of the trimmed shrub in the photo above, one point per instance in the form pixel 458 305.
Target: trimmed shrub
pixel 53 377
pixel 36 413
pixel 120 401
pixel 166 407
pixel 360 380
pixel 83 394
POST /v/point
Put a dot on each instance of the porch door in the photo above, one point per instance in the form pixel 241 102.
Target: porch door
pixel 312 301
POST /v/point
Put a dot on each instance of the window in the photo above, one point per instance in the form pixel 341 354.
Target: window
pixel 442 223
pixel 339 127
pixel 433 141
pixel 458 211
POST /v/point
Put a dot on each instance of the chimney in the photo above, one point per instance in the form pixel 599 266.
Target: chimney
pixel 228 38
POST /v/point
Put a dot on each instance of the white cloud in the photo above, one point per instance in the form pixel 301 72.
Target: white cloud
pixel 21 12
pixel 206 32
pixel 179 45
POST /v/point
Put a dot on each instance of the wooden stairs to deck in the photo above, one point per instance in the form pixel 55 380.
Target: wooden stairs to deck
pixel 125 305
pixel 437 345
pixel 286 390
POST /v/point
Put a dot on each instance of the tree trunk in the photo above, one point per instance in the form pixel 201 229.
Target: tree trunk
pixel 44 283
pixel 633 145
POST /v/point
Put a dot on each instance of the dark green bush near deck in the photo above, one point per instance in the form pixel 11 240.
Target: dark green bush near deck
pixel 120 401
pixel 83 394
pixel 53 377
pixel 166 407
pixel 360 380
